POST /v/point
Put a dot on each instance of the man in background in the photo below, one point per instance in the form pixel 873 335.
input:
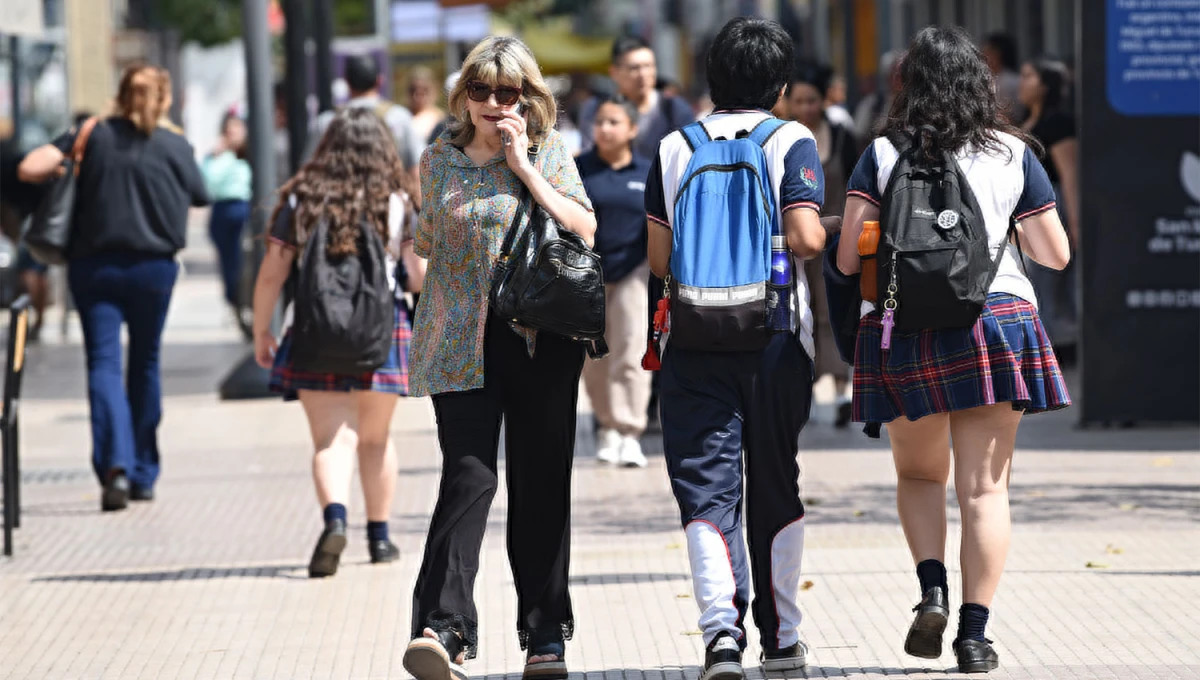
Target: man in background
pixel 362 76
pixel 635 72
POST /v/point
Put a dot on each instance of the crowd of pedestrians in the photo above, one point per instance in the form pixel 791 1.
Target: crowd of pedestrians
pixel 903 251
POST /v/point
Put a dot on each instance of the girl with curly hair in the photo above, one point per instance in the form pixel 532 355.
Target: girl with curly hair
pixel 965 388
pixel 353 181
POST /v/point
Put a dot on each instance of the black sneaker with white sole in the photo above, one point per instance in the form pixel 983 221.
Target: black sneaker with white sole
pixel 723 659
pixel 790 658
pixel 435 658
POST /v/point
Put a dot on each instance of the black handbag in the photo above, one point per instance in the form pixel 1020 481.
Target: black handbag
pixel 548 279
pixel 49 232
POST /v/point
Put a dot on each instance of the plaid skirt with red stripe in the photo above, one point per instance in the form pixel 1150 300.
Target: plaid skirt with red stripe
pixel 1005 357
pixel 391 377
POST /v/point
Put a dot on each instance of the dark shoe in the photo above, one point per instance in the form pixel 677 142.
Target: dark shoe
pixel 383 551
pixel 787 659
pixel 546 643
pixel 976 656
pixel 329 550
pixel 925 634
pixel 141 493
pixel 845 411
pixel 723 659
pixel 435 659
pixel 116 493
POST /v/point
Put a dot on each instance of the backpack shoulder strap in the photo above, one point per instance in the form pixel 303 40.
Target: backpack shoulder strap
pixel 81 141
pixel 762 133
pixel 695 135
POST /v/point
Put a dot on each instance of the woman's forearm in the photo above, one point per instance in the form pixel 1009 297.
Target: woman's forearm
pixel 565 211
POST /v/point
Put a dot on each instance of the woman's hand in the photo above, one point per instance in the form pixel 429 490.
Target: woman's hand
pixel 516 142
pixel 265 348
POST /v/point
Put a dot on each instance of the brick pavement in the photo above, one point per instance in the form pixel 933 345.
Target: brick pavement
pixel 209 581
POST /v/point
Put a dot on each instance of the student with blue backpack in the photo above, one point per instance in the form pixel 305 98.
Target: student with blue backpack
pixel 730 200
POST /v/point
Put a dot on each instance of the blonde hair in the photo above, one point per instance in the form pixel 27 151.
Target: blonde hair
pixel 501 60
pixel 144 96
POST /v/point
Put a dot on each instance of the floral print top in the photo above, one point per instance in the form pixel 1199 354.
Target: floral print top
pixel 466 212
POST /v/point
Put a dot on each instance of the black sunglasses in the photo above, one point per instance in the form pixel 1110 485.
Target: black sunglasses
pixel 480 92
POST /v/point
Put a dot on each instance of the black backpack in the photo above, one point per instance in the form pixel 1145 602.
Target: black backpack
pixel 935 267
pixel 344 314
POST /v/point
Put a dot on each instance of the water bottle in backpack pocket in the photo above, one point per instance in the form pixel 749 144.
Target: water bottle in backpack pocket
pixel 732 279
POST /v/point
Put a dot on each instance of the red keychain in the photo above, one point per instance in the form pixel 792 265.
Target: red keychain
pixel 651 361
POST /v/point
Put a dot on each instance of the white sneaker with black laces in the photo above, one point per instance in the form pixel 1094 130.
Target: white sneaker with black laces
pixel 723 659
pixel 608 446
pixel 631 453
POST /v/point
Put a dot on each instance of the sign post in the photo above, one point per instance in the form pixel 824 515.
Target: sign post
pixel 1139 106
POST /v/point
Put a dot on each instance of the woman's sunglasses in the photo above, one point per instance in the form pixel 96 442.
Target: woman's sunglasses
pixel 480 92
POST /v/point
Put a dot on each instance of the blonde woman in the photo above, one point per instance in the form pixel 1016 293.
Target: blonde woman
pixel 136 182
pixel 480 369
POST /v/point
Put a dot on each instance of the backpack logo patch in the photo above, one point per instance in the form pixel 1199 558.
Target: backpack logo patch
pixel 947 219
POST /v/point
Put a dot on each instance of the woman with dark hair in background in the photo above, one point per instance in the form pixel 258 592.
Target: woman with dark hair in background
pixel 838 150
pixel 354 180
pixel 227 175
pixel 1044 91
pixel 135 185
pixel 965 386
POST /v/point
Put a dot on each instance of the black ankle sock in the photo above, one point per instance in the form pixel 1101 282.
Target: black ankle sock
pixel 335 511
pixel 972 621
pixel 377 531
pixel 932 573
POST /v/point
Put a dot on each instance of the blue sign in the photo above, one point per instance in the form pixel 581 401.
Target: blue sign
pixel 1153 57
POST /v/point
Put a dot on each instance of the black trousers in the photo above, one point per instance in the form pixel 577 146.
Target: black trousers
pixel 536 399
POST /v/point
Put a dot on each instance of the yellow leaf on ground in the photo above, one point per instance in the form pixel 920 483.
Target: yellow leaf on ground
pixel 1128 506
pixel 683 596
pixel 1036 494
pixel 693 632
pixel 1097 565
pixel 1113 550
pixel 673 546
pixel 807 585
pixel 1164 461
pixel 859 513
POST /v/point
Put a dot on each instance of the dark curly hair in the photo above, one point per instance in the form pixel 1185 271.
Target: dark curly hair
pixel 946 99
pixel 349 180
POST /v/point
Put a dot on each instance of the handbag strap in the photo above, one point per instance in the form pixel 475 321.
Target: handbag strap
pixel 81 140
pixel 524 201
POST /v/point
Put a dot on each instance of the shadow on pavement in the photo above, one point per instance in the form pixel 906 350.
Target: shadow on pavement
pixel 186 574
pixel 619 579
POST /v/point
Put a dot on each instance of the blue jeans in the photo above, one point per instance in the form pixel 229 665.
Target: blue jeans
pixel 225 229
pixel 135 290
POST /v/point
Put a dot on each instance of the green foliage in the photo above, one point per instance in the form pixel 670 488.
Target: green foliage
pixel 353 17
pixel 208 22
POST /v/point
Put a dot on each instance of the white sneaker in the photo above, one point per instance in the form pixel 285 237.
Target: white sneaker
pixel 631 453
pixel 608 446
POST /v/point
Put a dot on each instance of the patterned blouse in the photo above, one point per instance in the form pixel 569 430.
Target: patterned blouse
pixel 466 213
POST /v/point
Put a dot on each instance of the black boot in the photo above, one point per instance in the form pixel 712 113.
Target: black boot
pixel 925 634
pixel 976 656
pixel 328 552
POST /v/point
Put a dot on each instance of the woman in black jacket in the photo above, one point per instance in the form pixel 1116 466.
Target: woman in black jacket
pixel 136 183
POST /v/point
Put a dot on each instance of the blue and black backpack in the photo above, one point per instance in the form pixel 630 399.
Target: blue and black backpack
pixel 724 295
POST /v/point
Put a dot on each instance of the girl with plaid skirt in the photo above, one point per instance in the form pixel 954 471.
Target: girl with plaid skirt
pixel 964 387
pixel 354 178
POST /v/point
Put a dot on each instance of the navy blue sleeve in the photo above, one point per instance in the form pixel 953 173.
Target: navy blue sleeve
pixel 656 202
pixel 803 184
pixel 281 229
pixel 1038 195
pixel 66 141
pixel 864 181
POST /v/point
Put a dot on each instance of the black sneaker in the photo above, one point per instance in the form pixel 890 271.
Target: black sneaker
pixel 328 552
pixel 791 658
pixel 383 551
pixel 925 634
pixel 976 656
pixel 723 659
pixel 547 642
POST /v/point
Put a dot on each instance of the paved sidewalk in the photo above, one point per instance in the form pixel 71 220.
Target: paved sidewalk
pixel 209 580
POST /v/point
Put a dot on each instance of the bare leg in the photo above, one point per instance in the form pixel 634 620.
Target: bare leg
pixel 921 451
pixel 984 438
pixel 377 463
pixel 332 418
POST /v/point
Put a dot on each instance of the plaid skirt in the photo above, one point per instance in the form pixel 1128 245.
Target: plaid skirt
pixel 391 377
pixel 1005 357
